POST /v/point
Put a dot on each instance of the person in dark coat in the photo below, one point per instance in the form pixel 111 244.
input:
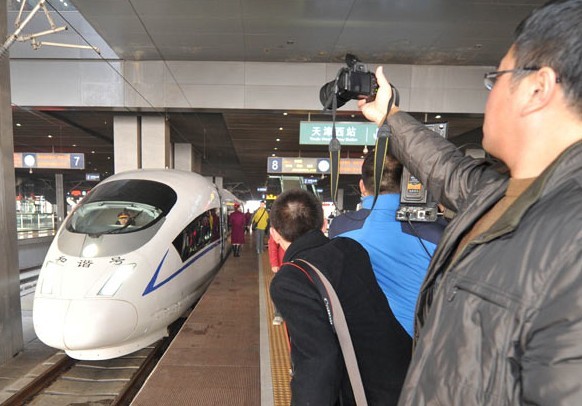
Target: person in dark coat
pixel 248 217
pixel 499 315
pixel 237 222
pixel 381 346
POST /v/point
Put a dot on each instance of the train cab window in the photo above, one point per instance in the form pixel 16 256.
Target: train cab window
pixel 199 234
pixel 112 217
pixel 122 207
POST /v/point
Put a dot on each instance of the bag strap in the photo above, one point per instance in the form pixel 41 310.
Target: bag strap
pixel 338 323
pixel 261 216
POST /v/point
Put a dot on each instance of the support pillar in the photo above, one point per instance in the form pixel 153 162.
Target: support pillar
pixel 11 338
pixel 340 199
pixel 197 164
pixel 217 180
pixel 60 198
pixel 126 143
pixel 155 142
pixel 184 157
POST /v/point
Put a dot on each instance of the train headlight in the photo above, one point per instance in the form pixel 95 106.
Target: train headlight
pixel 90 251
pixel 120 275
pixel 49 276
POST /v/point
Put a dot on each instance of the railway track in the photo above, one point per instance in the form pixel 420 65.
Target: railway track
pixel 62 380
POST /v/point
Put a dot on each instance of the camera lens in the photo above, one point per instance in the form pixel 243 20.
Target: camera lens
pixel 326 94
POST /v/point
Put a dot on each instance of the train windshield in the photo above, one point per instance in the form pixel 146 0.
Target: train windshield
pixel 122 206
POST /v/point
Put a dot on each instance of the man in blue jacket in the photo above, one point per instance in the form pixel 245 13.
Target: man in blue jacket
pixel 400 252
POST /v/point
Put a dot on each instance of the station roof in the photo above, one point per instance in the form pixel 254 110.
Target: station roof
pixel 421 32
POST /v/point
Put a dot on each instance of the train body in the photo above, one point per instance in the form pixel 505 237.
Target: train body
pixel 109 287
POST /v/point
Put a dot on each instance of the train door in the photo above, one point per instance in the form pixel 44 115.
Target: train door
pixel 223 227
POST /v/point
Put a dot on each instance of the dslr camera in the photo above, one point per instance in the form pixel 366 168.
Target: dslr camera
pixel 352 82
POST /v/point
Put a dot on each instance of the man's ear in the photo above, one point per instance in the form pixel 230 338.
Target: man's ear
pixel 276 236
pixel 541 87
pixel 363 190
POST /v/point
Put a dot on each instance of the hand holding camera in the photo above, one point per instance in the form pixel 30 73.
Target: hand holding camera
pixel 375 110
pixel 352 82
pixel 355 82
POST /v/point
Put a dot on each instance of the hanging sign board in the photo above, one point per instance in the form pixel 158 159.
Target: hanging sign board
pixel 47 160
pixel 348 166
pixel 348 133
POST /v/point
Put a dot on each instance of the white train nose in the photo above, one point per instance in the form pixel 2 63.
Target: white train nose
pixel 83 324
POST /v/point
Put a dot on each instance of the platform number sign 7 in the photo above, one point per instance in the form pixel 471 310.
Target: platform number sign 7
pixel 275 165
pixel 77 161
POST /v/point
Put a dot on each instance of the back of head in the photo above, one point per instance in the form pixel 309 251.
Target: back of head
pixel 552 36
pixel 391 176
pixel 296 212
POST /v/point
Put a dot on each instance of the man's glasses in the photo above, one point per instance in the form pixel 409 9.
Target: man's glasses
pixel 491 77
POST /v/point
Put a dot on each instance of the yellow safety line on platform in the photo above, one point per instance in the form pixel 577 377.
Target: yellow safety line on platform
pixel 280 362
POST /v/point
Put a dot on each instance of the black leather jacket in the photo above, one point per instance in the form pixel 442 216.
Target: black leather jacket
pixel 500 324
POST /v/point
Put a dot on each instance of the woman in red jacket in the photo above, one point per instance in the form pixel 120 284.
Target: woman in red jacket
pixel 276 254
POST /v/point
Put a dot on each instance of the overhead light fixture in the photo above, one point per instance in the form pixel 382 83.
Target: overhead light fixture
pixel 92 152
pixel 275 148
pixel 278 139
pixel 273 154
pixel 437 116
pixel 50 136
pixel 285 113
pixel 280 128
pixel 74 145
pixel 18 125
pixel 20 23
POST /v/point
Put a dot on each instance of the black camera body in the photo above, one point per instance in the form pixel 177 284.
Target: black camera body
pixel 352 82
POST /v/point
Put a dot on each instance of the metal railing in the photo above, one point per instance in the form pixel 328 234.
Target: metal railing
pixel 35 221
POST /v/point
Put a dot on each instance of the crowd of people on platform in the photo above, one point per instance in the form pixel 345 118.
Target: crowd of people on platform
pixel 482 310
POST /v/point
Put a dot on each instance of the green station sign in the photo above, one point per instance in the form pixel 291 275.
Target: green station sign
pixel 348 133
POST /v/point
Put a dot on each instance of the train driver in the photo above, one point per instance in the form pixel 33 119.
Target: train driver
pixel 124 219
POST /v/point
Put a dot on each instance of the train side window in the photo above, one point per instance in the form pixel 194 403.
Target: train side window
pixel 197 235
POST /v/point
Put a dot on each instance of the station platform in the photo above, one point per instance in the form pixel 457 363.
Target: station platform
pixel 228 352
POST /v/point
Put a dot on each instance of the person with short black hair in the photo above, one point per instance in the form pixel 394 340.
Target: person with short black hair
pixel 400 252
pixel 319 374
pixel 499 316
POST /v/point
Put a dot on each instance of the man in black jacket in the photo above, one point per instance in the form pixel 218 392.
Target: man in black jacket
pixel 499 316
pixel 382 347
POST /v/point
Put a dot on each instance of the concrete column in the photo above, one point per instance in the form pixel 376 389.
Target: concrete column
pixel 183 157
pixel 11 339
pixel 60 194
pixel 217 180
pixel 155 142
pixel 197 163
pixel 340 199
pixel 126 143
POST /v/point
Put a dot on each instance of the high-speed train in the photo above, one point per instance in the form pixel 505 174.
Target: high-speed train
pixel 135 253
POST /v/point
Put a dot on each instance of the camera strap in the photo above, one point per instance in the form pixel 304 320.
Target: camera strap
pixel 334 154
pixel 381 149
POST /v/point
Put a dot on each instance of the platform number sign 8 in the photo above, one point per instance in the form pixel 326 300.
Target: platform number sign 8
pixel 274 165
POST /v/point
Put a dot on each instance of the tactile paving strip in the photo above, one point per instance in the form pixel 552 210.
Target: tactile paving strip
pixel 280 362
